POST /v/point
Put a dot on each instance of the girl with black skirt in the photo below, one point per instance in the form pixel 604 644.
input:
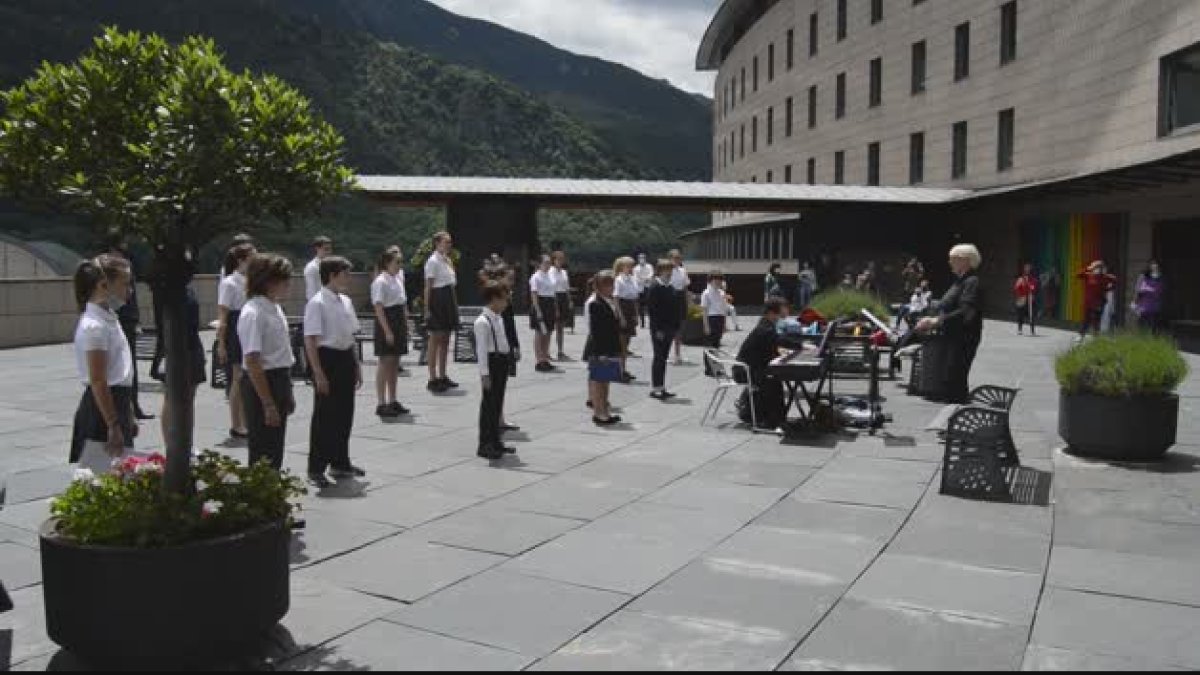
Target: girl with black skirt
pixel 628 292
pixel 197 366
pixel 441 311
pixel 389 301
pixel 104 422
pixel 543 317
pixel 329 326
pixel 603 352
pixel 562 299
pixel 267 358
pixel 231 297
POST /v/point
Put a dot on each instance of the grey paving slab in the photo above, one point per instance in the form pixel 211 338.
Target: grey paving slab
pixel 326 535
pixel 879 469
pixel 16 535
pixel 971 545
pixel 20 566
pixel 817 558
pixel 1058 660
pixel 707 494
pixel 771 451
pixel 401 505
pixel 951 588
pixel 636 641
pixel 569 497
pixel 615 472
pixel 763 474
pixel 28 516
pixel 402 568
pixel 387 646
pixel 551 461
pixel 476 479
pixel 321 612
pixel 518 613
pixel 1161 579
pixel 495 530
pixel 27 623
pixel 410 461
pixel 1127 535
pixel 861 636
pixel 870 522
pixel 39 484
pixel 1175 508
pixel 845 489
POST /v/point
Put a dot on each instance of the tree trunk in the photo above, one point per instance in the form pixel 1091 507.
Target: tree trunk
pixel 176 274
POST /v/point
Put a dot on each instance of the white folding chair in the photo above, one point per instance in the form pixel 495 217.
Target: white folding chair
pixel 722 368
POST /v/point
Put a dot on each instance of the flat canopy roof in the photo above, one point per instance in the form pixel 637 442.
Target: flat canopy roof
pixel 568 193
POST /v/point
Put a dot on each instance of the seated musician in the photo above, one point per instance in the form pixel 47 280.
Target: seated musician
pixel 759 349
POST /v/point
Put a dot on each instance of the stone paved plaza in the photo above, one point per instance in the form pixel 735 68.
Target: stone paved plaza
pixel 662 544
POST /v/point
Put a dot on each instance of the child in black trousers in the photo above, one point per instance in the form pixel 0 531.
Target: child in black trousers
pixel 495 357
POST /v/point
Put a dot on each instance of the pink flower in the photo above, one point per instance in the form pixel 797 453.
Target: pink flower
pixel 211 508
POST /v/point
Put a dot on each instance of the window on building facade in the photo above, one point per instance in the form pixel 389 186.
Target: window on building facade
pixel 742 146
pixel 812 107
pixel 788 114
pixel 1008 32
pixel 839 167
pixel 811 171
pixel 771 62
pixel 1180 90
pixel 958 152
pixel 787 173
pixel 918 67
pixel 770 176
pixel 743 92
pixel 812 34
pixel 916 158
pixel 755 65
pixel 873 164
pixel 841 20
pixel 962 52
pixel 770 125
pixel 839 105
pixel 791 48
pixel 876 11
pixel 733 92
pixel 732 145
pixel 875 97
pixel 1005 140
pixel 754 134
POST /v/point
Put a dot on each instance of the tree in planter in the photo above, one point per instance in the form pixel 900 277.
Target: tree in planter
pixel 163 143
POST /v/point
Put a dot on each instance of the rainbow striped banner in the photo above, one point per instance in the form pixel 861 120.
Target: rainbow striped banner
pixel 1067 244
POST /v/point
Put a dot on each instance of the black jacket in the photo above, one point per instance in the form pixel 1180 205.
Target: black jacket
pixel 510 328
pixel 961 309
pixel 604 331
pixel 662 303
pixel 760 348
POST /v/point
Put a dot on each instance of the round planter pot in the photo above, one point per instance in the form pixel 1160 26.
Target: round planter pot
pixel 193 605
pixel 693 333
pixel 1127 429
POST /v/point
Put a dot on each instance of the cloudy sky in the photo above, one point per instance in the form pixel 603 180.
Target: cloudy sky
pixel 657 37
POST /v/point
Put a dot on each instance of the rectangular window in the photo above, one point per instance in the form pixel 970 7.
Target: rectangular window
pixel 788 114
pixel 873 164
pixel 876 11
pixel 742 147
pixel 812 171
pixel 770 176
pixel 770 126
pixel 918 67
pixel 958 158
pixel 771 62
pixel 756 73
pixel 839 106
pixel 841 20
pixel 916 158
pixel 1005 140
pixel 787 173
pixel 812 107
pixel 1179 82
pixel 791 48
pixel 812 34
pixel 732 145
pixel 876 92
pixel 754 134
pixel 743 83
pixel 1008 32
pixel 839 167
pixel 962 52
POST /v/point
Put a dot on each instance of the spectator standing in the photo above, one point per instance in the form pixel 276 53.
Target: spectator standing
pixel 712 302
pixel 681 282
pixel 322 247
pixel 231 299
pixel 644 273
pixel 603 348
pixel 1097 283
pixel 267 358
pixel 562 296
pixel 665 321
pixel 771 286
pixel 543 315
pixel 494 354
pixel 627 292
pixel 1148 298
pixel 131 318
pixel 441 311
pixel 389 302
pixel 1024 298
pixel 806 286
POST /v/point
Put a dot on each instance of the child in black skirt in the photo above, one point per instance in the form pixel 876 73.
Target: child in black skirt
pixel 389 301
pixel 494 356
pixel 267 358
pixel 231 297
pixel 329 326
pixel 441 311
pixel 603 351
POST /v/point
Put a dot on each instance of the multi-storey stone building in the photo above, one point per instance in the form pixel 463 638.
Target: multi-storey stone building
pixel 1075 122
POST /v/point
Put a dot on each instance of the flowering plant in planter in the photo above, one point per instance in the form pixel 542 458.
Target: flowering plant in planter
pixel 130 508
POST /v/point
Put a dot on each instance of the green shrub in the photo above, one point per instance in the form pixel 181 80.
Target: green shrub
pixel 1128 364
pixel 130 508
pixel 846 304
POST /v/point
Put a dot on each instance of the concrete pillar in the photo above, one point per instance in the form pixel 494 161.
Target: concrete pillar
pixel 481 227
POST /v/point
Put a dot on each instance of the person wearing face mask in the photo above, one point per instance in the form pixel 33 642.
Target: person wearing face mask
pixel 960 320
pixel 757 351
pixel 1148 298
pixel 105 423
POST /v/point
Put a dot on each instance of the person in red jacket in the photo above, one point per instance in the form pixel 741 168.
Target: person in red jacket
pixel 1097 282
pixel 1024 295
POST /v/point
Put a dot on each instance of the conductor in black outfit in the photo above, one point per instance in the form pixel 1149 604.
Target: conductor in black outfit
pixel 960 320
pixel 758 350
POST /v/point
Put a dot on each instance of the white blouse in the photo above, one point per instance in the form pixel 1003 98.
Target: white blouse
pixel 312 278
pixel 440 270
pixel 263 330
pixel 490 338
pixel 541 284
pixel 680 279
pixel 713 302
pixel 330 316
pixel 232 293
pixel 99 330
pixel 627 287
pixel 562 280
pixel 388 290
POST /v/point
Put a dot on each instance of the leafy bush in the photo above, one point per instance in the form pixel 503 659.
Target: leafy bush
pixel 1128 364
pixel 846 304
pixel 130 508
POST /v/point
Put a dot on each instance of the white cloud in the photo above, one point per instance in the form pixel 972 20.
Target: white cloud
pixel 656 37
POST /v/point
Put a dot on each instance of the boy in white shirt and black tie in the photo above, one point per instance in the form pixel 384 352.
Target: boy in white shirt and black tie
pixel 329 326
pixel 494 354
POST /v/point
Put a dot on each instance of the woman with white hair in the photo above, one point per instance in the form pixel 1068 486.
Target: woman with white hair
pixel 960 322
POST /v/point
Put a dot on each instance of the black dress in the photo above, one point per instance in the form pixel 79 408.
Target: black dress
pixel 758 350
pixel 961 324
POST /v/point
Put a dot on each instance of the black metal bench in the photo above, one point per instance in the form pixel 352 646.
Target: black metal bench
pixel 980 457
pixel 464 337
